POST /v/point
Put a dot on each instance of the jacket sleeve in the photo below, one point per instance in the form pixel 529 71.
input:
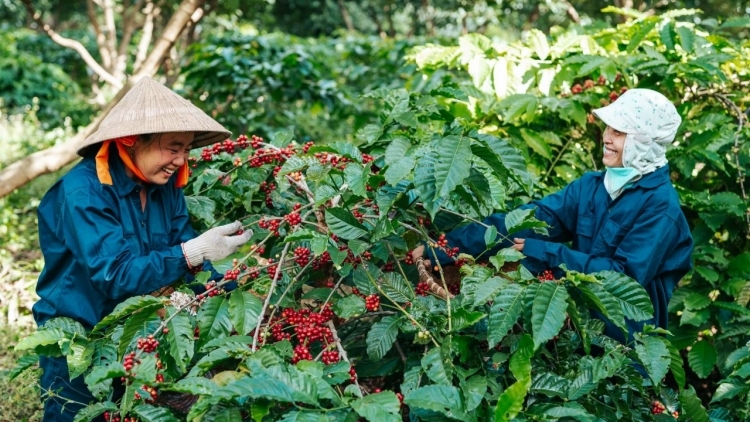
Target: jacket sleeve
pixel 182 231
pixel 558 210
pixel 638 255
pixel 96 238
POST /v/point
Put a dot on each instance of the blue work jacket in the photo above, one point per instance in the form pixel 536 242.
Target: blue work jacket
pixel 643 234
pixel 101 248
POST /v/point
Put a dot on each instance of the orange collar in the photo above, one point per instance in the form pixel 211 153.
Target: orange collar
pixel 102 162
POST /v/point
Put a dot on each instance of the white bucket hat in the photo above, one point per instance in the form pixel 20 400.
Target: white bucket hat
pixel 650 121
pixel 150 107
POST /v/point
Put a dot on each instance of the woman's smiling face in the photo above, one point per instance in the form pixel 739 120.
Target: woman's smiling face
pixel 614 141
pixel 159 159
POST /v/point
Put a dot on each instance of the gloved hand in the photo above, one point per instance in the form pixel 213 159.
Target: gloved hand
pixel 217 243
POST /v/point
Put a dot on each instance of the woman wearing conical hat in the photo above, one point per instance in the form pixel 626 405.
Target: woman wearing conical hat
pixel 117 226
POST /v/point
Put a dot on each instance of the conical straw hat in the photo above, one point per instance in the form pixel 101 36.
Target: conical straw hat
pixel 150 107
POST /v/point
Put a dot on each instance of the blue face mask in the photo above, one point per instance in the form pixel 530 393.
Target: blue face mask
pixel 617 179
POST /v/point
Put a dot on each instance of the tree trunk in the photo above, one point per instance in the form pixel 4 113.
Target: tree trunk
pixel 51 159
pixel 345 16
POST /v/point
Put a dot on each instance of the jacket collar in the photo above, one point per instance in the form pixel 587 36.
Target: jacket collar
pixel 652 180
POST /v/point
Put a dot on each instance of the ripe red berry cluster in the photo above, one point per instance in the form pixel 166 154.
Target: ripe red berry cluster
pixel 321 260
pixel 422 288
pixel 301 256
pixel 451 251
pixel 372 303
pixel 442 242
pixel 232 274
pixel 129 361
pixel 307 146
pixel 153 394
pixel 367 158
pixel 301 353
pixel 270 224
pixel 332 159
pixel 352 375
pixel 148 344
pixel 253 273
pixel 293 218
pixel 267 188
pixel 256 141
pixel 211 290
pixel 657 407
pixel 358 215
pixel 197 332
pixel 454 287
pixel 330 356
pixel 242 142
pixel 388 267
pixel 546 275
pixel 108 417
pixel 272 269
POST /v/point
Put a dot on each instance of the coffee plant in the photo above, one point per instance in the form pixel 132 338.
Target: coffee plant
pixel 327 315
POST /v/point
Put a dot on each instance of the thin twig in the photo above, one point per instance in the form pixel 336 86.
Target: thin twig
pixel 268 297
pixel 342 352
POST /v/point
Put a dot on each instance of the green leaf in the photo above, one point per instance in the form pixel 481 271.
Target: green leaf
pixel 127 307
pixel 443 399
pixel 201 207
pixel 632 297
pixel 642 30
pixel 23 363
pixel 504 159
pixel 488 289
pixel 727 391
pixel 604 302
pixel 536 142
pixel 195 386
pixel 180 338
pixel 295 163
pixel 437 366
pixel 522 219
pixel 667 35
pixel 349 306
pixel 691 405
pixel 378 407
pixel 696 301
pixel 381 337
pixel 583 384
pixel 538 42
pixel 510 403
pixel 452 165
pixel 548 312
pixel 519 107
pixel 396 150
pixel 676 365
pixel 505 255
pixel 355 177
pixel 90 412
pixel 505 311
pixel 551 385
pixel 79 357
pixel 687 38
pixel 261 387
pixel 365 278
pixel 474 390
pixel 739 266
pixel 591 64
pixel 702 358
pixel 244 311
pixel 654 356
pixel 148 413
pixel 399 170
pixel 41 337
pixel 343 224
pixel 213 320
pixel 396 288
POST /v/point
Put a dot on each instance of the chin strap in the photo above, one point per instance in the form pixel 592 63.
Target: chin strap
pixel 102 162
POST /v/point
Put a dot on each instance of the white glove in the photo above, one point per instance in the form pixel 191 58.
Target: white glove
pixel 217 243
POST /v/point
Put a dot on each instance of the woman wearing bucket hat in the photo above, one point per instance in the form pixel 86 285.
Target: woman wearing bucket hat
pixel 117 226
pixel 625 219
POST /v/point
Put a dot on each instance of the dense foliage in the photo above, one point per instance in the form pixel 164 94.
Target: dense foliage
pixel 479 127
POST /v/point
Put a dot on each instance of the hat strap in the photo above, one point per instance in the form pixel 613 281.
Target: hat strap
pixel 102 162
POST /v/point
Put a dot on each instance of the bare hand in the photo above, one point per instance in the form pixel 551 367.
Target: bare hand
pixel 518 244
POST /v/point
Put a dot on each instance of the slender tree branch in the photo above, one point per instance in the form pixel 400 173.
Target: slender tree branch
pixel 268 297
pixel 151 12
pixel 101 41
pixel 73 45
